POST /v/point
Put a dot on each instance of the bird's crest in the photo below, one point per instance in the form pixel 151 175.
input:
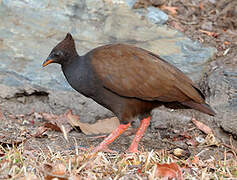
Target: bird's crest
pixel 67 45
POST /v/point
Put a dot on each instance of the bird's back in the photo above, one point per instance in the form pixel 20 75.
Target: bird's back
pixel 137 73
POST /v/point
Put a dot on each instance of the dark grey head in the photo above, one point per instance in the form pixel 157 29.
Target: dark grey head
pixel 63 52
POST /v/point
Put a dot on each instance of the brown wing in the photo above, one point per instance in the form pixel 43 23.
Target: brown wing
pixel 134 72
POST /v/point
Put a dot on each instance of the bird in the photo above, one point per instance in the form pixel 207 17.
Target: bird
pixel 129 81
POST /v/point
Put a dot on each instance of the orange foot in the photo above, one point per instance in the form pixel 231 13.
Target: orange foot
pixel 103 146
pixel 140 131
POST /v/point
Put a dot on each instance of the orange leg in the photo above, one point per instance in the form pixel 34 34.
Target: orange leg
pixel 103 146
pixel 140 131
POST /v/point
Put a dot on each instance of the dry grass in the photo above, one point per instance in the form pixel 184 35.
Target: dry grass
pixel 17 163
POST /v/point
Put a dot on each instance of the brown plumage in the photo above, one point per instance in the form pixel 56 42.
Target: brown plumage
pixel 127 80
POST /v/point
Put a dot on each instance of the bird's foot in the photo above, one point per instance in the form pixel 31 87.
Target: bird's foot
pixel 140 131
pixel 103 146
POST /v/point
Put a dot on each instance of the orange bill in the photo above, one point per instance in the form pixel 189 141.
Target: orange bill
pixel 47 62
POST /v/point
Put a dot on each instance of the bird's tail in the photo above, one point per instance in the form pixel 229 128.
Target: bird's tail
pixel 205 108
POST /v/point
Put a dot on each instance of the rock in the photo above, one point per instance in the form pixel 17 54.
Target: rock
pixel 131 3
pixel 156 16
pixel 30 29
pixel 163 118
pixel 222 86
pixel 26 98
pixel 147 9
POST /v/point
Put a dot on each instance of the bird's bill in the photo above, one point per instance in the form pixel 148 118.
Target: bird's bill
pixel 48 61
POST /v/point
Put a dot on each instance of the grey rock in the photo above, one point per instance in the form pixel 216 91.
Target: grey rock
pixel 30 29
pixel 222 85
pixel 156 16
pixel 131 3
pixel 31 3
pixel 26 98
pixel 164 118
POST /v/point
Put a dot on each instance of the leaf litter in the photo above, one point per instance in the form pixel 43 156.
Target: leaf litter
pixel 146 165
pixel 22 162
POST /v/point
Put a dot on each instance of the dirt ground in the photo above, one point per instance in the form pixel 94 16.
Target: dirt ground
pixel 211 22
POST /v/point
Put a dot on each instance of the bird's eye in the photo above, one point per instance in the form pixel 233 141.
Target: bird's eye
pixel 58 54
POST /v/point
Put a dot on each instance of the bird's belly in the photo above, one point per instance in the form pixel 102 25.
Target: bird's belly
pixel 125 108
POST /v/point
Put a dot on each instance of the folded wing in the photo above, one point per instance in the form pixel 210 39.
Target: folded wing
pixel 134 72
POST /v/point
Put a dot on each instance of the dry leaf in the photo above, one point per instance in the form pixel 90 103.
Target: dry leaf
pixel 177 26
pixel 75 177
pixel 65 122
pixel 40 131
pixel 74 120
pixel 201 5
pixel 28 176
pixel 213 34
pixel 48 116
pixel 227 43
pixel 52 127
pixel 103 126
pixel 172 10
pixel 210 140
pixel 204 128
pixel 55 171
pixel 57 123
pixel 1 153
pixel 1 116
pixel 194 160
pixel 171 170
pixel 59 169
pixel 178 152
pixel 185 135
pixel 191 142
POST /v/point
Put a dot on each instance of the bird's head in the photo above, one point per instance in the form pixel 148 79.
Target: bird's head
pixel 63 52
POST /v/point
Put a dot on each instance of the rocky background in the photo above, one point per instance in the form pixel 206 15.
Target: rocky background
pixel 30 29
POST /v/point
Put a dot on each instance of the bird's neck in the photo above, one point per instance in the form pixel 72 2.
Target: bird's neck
pixel 70 65
pixel 79 76
pixel 70 61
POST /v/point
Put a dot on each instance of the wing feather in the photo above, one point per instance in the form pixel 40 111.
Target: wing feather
pixel 134 72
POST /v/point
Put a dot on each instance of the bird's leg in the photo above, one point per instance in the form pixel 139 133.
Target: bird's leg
pixel 140 131
pixel 103 146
